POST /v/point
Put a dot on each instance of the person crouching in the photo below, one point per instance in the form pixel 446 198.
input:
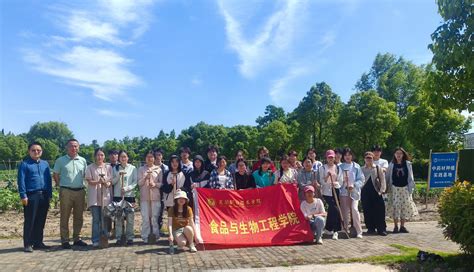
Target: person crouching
pixel 313 211
pixel 180 223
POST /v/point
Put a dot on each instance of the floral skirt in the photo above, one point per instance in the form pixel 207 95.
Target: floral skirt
pixel 400 204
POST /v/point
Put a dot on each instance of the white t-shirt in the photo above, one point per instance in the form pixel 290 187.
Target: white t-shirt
pixel 312 208
pixel 382 163
pixel 222 180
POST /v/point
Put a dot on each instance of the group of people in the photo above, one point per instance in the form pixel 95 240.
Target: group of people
pixel 382 187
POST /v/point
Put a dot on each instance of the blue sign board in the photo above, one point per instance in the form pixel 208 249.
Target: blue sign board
pixel 442 169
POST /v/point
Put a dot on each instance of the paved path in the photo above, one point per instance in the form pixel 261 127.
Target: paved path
pixel 140 257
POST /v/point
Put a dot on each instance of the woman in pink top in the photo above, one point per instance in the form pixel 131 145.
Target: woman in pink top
pixel 99 193
pixel 150 179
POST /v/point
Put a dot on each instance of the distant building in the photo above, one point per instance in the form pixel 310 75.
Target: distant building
pixel 469 140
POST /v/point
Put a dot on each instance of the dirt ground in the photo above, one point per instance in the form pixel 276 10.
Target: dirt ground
pixel 11 223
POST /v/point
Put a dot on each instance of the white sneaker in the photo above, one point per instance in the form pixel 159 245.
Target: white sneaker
pixel 359 236
pixel 335 236
pixel 192 248
pixel 320 241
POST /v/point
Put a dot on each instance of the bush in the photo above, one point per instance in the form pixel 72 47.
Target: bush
pixel 420 169
pixel 9 200
pixel 456 209
pixel 420 192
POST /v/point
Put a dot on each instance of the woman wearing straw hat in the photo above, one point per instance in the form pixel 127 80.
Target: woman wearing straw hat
pixel 180 223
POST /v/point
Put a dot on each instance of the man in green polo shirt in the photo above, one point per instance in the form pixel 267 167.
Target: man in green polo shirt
pixel 68 173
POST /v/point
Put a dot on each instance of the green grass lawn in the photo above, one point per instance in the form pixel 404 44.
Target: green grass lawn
pixel 407 260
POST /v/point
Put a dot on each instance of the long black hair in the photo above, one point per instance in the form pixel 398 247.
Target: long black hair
pixel 406 156
pixel 283 158
pixel 174 157
pixel 262 161
pixel 345 151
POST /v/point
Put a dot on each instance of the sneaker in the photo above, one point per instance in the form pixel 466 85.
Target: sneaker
pixel 41 246
pixel 319 241
pixel 95 244
pixel 192 248
pixel 119 243
pixel 403 230
pixel 80 243
pixel 66 245
pixel 395 229
pixel 171 250
pixel 370 231
pixel 28 249
pixel 145 241
pixel 129 242
pixel 335 236
pixel 382 233
pixel 359 236
pixel 328 232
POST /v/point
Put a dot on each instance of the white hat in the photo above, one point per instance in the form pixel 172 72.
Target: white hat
pixel 181 194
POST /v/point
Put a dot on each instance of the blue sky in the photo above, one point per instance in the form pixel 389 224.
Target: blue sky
pixel 115 68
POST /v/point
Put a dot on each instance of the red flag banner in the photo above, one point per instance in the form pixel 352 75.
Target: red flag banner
pixel 255 217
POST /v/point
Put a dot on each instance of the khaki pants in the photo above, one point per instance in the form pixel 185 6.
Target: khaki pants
pixel 75 201
pixel 348 206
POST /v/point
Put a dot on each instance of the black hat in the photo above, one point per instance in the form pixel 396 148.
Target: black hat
pixel 376 148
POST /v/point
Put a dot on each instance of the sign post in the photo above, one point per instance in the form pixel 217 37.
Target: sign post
pixel 442 172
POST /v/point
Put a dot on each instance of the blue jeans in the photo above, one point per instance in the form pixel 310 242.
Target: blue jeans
pixel 97 227
pixel 317 225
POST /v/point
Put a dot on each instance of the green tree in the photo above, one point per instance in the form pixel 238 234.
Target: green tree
pixel 14 148
pixel 114 144
pixel 395 79
pixel 435 128
pixel 57 132
pixel 87 152
pixel 316 115
pixel 241 137
pixel 272 113
pixel 200 136
pixel 452 84
pixel 165 141
pixel 275 137
pixel 50 150
pixel 365 120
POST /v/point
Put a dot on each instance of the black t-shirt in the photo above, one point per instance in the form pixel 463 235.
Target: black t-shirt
pixel 244 181
pixel 400 175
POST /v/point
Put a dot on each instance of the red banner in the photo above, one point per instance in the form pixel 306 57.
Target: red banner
pixel 255 217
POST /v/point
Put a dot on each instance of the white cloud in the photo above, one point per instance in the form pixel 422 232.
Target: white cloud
pixel 81 28
pixel 117 114
pixel 278 87
pixel 327 40
pixel 274 39
pixel 290 41
pixel 101 70
pixel 88 54
pixel 196 81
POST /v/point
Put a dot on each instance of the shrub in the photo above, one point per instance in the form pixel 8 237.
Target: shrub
pixel 9 200
pixel 420 192
pixel 456 209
